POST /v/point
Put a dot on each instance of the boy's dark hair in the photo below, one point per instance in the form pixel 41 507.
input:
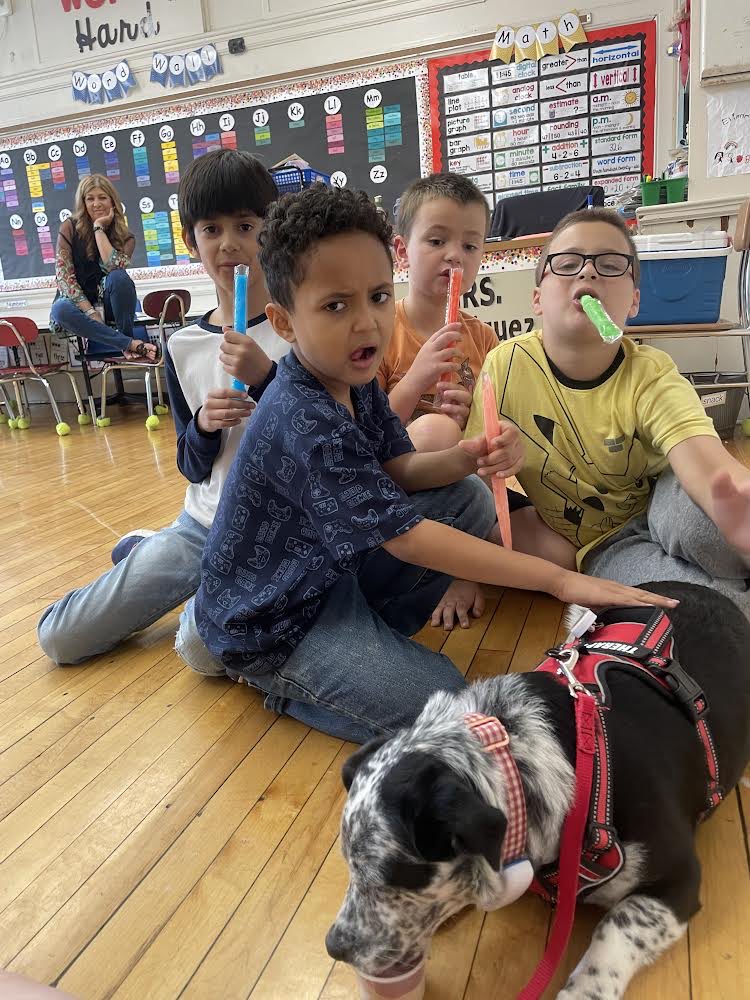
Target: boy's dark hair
pixel 596 214
pixel 297 222
pixel 224 182
pixel 455 187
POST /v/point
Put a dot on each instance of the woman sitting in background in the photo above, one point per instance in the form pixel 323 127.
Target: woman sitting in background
pixel 93 249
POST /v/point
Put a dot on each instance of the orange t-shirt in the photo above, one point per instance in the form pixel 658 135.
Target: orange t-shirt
pixel 477 340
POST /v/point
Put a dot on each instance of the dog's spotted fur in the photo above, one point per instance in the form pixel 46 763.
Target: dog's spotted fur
pixel 423 824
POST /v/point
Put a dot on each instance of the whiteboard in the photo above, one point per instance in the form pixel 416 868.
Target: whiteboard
pixel 725 41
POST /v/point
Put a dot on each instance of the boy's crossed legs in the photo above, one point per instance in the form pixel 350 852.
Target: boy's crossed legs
pixel 673 540
pixel 356 674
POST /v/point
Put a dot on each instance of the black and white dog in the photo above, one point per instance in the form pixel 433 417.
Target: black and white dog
pixel 424 823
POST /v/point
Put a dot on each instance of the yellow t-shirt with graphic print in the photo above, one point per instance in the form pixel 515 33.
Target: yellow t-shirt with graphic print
pixel 591 448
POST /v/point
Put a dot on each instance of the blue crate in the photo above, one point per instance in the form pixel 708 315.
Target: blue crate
pixel 681 286
pixel 296 178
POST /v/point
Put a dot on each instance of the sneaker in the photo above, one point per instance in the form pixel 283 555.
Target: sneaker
pixel 128 542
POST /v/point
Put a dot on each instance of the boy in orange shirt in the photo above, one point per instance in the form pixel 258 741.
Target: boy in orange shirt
pixel 442 223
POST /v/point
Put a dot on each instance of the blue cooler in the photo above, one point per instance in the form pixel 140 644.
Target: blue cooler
pixel 681 285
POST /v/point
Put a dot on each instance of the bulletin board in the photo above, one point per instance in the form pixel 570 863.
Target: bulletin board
pixel 361 128
pixel 581 117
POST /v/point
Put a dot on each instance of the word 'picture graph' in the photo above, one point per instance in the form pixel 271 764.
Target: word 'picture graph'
pixel 575 118
pixel 361 128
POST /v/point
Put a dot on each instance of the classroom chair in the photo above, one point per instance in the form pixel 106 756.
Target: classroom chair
pixel 16 333
pixel 169 306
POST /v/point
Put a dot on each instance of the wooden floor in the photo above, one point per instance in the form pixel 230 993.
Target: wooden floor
pixel 163 836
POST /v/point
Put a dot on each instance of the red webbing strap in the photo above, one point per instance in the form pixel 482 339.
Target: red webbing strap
pixel 571 842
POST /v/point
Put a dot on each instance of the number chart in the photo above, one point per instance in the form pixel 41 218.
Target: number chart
pixel 578 118
pixel 368 130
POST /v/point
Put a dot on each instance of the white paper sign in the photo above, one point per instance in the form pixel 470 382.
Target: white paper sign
pixel 554 130
pixel 516 158
pixel 620 122
pixel 469 79
pixel 563 172
pixel 517 115
pixel 524 135
pixel 517 93
pixel 569 149
pixel 461 124
pixel 517 178
pixel 471 164
pixel 565 107
pixel 566 62
pixel 515 71
pixel 462 145
pixel 461 103
pixel 728 145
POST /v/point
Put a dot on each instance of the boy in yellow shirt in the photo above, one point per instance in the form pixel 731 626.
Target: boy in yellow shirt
pixel 626 473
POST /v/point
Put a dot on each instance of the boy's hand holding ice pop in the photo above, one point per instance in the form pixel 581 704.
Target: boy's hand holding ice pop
pixel 240 355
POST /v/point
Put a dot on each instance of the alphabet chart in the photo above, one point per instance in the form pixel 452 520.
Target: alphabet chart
pixel 576 118
pixel 367 129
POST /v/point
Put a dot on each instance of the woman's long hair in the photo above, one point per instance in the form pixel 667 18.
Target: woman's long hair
pixel 117 232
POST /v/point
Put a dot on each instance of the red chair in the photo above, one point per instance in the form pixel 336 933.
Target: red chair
pixel 170 307
pixel 16 333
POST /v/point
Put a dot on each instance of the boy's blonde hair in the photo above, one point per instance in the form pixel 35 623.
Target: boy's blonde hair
pixel 455 187
pixel 607 215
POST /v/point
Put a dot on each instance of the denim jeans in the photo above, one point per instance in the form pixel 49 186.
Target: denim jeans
pixel 159 574
pixel 120 302
pixel 356 673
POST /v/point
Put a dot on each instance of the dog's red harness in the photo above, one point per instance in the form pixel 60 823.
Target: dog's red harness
pixel 590 854
pixel 645 649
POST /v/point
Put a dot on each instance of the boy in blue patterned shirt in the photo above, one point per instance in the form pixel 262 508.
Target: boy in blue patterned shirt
pixel 334 539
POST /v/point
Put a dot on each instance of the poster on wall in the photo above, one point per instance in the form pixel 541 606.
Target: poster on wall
pixel 75 28
pixel 585 116
pixel 728 143
pixel 362 129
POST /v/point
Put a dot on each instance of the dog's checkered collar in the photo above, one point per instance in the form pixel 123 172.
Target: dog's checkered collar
pixel 493 736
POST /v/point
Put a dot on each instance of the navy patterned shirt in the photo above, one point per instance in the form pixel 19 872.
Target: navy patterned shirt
pixel 305 499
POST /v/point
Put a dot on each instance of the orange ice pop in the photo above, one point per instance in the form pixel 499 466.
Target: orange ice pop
pixel 492 430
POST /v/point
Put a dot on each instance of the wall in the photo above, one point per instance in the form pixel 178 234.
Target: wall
pixel 285 38
pixel 701 186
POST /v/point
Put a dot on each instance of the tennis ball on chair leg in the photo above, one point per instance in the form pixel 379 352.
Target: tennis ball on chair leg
pixel 62 428
pixel 746 426
pixel 13 423
pixel 23 423
pixel 103 421
pixel 160 408
pixel 152 422
pixel 84 418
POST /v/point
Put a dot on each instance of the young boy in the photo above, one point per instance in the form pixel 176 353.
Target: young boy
pixel 223 198
pixel 627 474
pixel 442 223
pixel 323 556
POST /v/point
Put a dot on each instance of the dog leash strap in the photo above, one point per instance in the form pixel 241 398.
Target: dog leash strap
pixel 571 843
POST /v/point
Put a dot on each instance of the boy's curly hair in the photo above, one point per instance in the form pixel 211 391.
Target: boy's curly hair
pixel 297 222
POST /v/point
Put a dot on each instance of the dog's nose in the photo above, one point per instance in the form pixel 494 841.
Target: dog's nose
pixel 339 943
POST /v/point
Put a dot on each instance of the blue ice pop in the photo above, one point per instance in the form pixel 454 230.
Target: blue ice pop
pixel 240 309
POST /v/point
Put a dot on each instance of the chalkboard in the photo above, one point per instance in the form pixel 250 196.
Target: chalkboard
pixel 365 136
pixel 581 117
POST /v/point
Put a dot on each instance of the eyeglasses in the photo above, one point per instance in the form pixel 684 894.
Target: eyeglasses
pixel 608 265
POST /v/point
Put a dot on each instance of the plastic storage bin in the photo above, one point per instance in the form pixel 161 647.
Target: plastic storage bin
pixel 681 286
pixel 296 178
pixel 721 404
pixel 661 192
pixel 711 239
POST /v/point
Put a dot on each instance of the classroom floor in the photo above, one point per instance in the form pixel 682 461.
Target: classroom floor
pixel 163 836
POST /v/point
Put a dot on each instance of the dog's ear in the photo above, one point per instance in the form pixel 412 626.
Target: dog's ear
pixel 443 813
pixel 353 763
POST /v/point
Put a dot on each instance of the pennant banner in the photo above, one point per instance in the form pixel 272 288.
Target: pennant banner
pixel 532 41
pixel 98 88
pixel 185 69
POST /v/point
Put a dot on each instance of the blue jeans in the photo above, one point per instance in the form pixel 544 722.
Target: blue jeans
pixel 159 574
pixel 356 673
pixel 120 303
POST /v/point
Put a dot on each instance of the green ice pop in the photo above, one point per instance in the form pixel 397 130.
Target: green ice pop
pixel 609 331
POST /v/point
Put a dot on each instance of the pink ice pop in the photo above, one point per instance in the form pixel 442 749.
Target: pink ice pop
pixel 492 430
